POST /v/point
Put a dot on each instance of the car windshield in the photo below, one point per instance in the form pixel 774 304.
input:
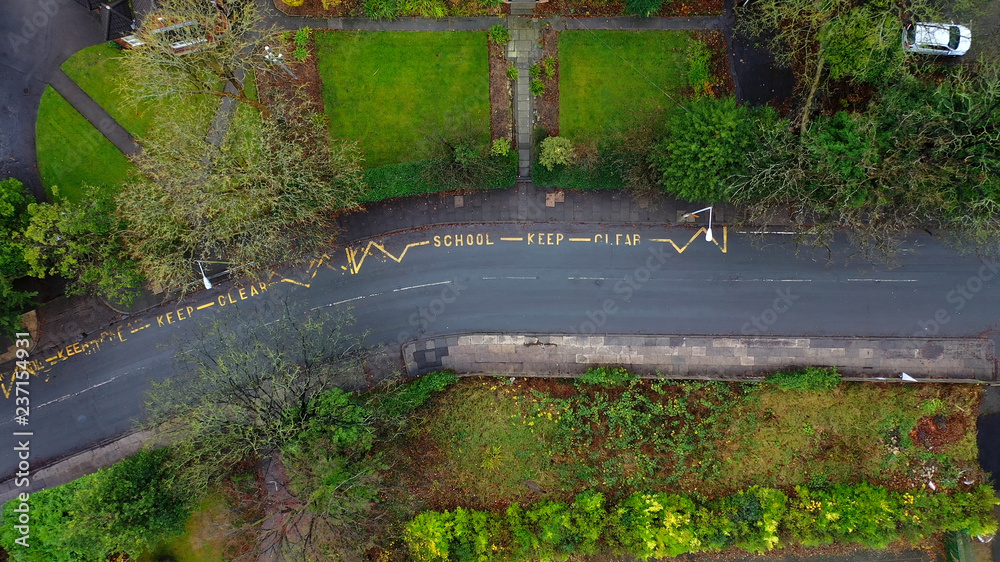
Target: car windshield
pixel 954 34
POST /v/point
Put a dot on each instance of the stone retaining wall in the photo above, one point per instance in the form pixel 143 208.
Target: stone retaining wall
pixel 943 359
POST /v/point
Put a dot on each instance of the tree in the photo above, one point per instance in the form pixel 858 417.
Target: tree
pixel 245 388
pixel 130 506
pixel 123 509
pixel 236 38
pixel 13 219
pixel 706 142
pixel 925 154
pixel 83 242
pixel 264 195
pixel 835 38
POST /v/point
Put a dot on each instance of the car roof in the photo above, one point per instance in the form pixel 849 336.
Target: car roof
pixel 937 33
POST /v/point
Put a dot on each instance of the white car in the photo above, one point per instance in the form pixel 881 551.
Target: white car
pixel 949 39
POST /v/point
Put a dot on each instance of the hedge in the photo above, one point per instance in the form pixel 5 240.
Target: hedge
pixel 653 525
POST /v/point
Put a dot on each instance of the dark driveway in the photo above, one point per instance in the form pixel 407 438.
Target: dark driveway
pixel 758 79
pixel 36 36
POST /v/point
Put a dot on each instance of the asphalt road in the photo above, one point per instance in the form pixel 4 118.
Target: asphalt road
pixel 36 37
pixel 556 279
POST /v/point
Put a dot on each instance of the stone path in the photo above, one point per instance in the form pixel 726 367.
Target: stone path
pixel 524 51
pixel 704 357
pixel 93 112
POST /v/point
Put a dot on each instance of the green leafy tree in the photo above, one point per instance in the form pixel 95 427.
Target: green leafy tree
pixel 706 143
pixel 13 220
pixel 123 509
pixel 83 242
pixel 130 506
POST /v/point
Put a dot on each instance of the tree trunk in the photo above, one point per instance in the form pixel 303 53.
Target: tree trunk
pixel 812 94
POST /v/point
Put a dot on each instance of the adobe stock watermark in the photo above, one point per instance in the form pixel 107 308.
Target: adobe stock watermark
pixel 763 322
pixel 624 289
pixel 959 298
pixel 32 25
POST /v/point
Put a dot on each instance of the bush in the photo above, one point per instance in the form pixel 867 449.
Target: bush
pixel 668 525
pixel 643 8
pixel 381 9
pixel 556 151
pixel 815 379
pixel 549 66
pixel 537 87
pixel 301 38
pixel 512 73
pixel 500 147
pixel 706 143
pixel 499 34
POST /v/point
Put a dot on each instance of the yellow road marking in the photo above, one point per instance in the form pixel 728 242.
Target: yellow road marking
pixel 680 249
pixel 206 305
pixel 355 263
pixel 579 239
pixel 512 239
pixel 285 280
pixel 140 328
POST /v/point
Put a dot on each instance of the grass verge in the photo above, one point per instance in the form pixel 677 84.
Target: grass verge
pixel 398 92
pixel 608 79
pixel 98 70
pixel 72 153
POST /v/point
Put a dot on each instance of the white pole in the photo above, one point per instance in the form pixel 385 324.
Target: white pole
pixel 204 278
pixel 708 233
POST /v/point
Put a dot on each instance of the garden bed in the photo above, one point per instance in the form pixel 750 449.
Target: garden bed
pixel 501 101
pixel 603 8
pixel 427 8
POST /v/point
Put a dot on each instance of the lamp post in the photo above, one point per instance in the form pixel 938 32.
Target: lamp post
pixel 278 59
pixel 204 278
pixel 708 232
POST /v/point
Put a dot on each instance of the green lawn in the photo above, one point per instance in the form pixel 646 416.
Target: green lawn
pixel 72 153
pixel 396 91
pixel 609 79
pixel 98 70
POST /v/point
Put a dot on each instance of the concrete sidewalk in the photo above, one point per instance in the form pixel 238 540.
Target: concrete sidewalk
pixel 966 360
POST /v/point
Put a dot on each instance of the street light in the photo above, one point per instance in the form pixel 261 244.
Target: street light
pixel 204 278
pixel 708 232
pixel 278 59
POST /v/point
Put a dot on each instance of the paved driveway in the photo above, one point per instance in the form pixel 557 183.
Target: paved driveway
pixel 36 36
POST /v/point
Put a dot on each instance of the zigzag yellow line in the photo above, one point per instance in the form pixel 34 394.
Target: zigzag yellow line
pixel 352 253
pixel 680 249
pixel 34 367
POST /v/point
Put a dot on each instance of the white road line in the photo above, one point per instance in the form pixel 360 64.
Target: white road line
pixel 419 286
pixel 885 280
pixel 495 278
pixel 78 393
pixel 764 280
pixel 593 278
pixel 376 294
